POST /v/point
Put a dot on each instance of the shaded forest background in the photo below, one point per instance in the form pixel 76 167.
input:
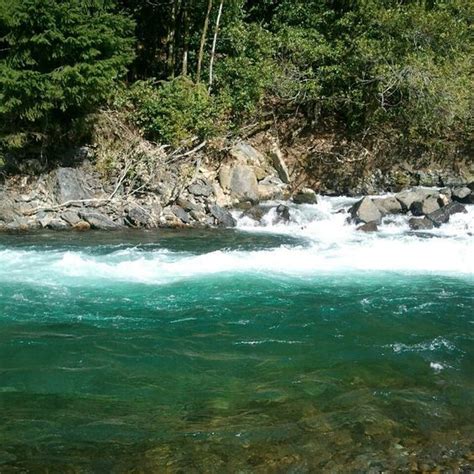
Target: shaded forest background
pixel 393 76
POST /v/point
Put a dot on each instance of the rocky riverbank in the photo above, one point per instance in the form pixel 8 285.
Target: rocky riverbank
pixel 199 193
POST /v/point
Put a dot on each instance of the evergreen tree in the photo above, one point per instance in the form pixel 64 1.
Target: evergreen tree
pixel 59 60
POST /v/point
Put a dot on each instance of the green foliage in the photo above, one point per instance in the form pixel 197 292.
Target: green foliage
pixel 175 111
pixel 396 71
pixel 246 71
pixel 59 61
pixel 381 67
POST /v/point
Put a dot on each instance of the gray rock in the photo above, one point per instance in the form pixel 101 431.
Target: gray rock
pixel 72 185
pixel 430 179
pixel 8 211
pixel 420 224
pixel 246 153
pixel 409 196
pixel 98 221
pixel 441 216
pixel 369 227
pixel 280 165
pixel 71 217
pixel 256 213
pixel 199 216
pixel 43 218
pixel 225 174
pixel 426 206
pixel 305 196
pixel 18 225
pixel 365 211
pixel 388 205
pixel 181 214
pixel 187 205
pixel 200 189
pixel 58 224
pixel 138 216
pixel 283 213
pixel 223 216
pixel 463 194
pixel 243 183
pixel 82 226
pixel 270 188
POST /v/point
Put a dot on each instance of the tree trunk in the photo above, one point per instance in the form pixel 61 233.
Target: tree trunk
pixel 203 40
pixel 184 70
pixel 214 43
pixel 172 38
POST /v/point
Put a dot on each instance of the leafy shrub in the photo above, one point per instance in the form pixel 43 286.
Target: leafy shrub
pixel 175 111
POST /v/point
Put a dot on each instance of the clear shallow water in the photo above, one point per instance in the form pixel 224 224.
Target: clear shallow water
pixel 281 348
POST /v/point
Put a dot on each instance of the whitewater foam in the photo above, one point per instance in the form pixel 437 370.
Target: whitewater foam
pixel 326 243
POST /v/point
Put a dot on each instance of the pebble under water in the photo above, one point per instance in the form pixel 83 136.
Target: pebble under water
pixel 307 347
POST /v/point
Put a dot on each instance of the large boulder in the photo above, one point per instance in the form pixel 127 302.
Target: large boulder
pixel 426 206
pixel 98 220
pixel 410 196
pixel 463 194
pixel 243 183
pixel 225 174
pixel 223 216
pixel 305 196
pixel 271 188
pixel 365 211
pixel 442 215
pixel 246 153
pixel 388 205
pixel 72 185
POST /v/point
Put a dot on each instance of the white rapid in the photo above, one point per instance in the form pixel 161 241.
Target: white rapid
pixel 324 244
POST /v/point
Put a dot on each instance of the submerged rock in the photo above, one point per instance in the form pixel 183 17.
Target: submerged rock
pixel 369 227
pixel 416 223
pixel 283 213
pixel 256 213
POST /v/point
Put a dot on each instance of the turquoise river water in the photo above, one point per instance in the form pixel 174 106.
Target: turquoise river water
pixel 306 347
